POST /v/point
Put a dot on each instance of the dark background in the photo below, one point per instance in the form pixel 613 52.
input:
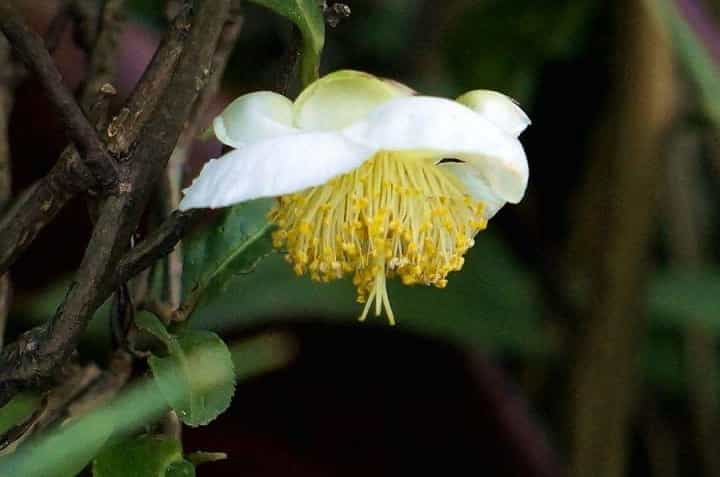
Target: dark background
pixel 486 376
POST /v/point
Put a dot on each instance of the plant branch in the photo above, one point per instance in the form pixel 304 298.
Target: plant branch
pixel 624 178
pixel 126 125
pixel 687 248
pixel 30 48
pixel 8 77
pixel 72 382
pixel 39 205
pixel 22 365
pixel 102 57
pixel 176 165
pixel 57 26
pixel 87 17
pixel 158 244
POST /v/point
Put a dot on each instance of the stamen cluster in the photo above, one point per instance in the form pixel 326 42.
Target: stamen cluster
pixel 399 214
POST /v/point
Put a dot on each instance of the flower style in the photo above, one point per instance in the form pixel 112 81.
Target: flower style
pixel 371 179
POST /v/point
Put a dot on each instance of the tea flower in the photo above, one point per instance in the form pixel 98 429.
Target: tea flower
pixel 371 179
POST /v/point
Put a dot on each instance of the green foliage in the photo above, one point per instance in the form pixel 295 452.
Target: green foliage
pixel 43 304
pixel 502 45
pixel 491 303
pixel 65 450
pixel 197 377
pixel 17 410
pixel 151 324
pixel 663 360
pixel 308 17
pixel 181 468
pixel 143 456
pixel 681 298
pixel 232 245
pixel 60 454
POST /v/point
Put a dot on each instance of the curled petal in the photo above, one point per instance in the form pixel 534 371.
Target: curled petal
pixel 498 109
pixel 343 97
pixel 444 128
pixel 253 117
pixel 476 186
pixel 273 167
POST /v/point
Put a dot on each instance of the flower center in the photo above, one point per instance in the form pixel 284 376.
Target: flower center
pixel 395 215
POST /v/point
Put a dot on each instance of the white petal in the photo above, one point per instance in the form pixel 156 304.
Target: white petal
pixel 273 167
pixel 343 97
pixel 253 117
pixel 476 186
pixel 498 108
pixel 445 128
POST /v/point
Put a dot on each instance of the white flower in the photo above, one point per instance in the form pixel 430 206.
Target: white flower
pixel 371 179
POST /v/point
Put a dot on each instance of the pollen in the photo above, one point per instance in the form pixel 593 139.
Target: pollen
pixel 398 215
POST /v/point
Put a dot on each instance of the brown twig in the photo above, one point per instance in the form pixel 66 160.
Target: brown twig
pixel 30 48
pixel 105 386
pixel 39 205
pixel 103 54
pixel 171 425
pixel 622 186
pixel 73 381
pixel 87 18
pixel 45 347
pixel 156 245
pixel 162 310
pixel 7 86
pixel 126 125
pixel 80 389
pixel 176 165
pixel 8 78
pixel 687 247
pixel 5 296
pixel 57 27
pixel 85 14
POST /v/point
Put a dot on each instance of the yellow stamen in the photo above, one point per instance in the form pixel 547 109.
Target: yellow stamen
pixel 397 214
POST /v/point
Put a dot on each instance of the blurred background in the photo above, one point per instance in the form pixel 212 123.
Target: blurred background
pixel 581 336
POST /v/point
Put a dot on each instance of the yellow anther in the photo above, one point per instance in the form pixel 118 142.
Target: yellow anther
pixel 390 217
pixel 304 228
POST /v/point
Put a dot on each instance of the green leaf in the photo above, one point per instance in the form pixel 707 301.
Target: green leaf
pixel 152 324
pixel 181 469
pixel 144 456
pixel 62 453
pixel 197 378
pixel 64 450
pixel 17 410
pixel 492 302
pixel 681 298
pixel 308 17
pixel 232 245
pixel 34 309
